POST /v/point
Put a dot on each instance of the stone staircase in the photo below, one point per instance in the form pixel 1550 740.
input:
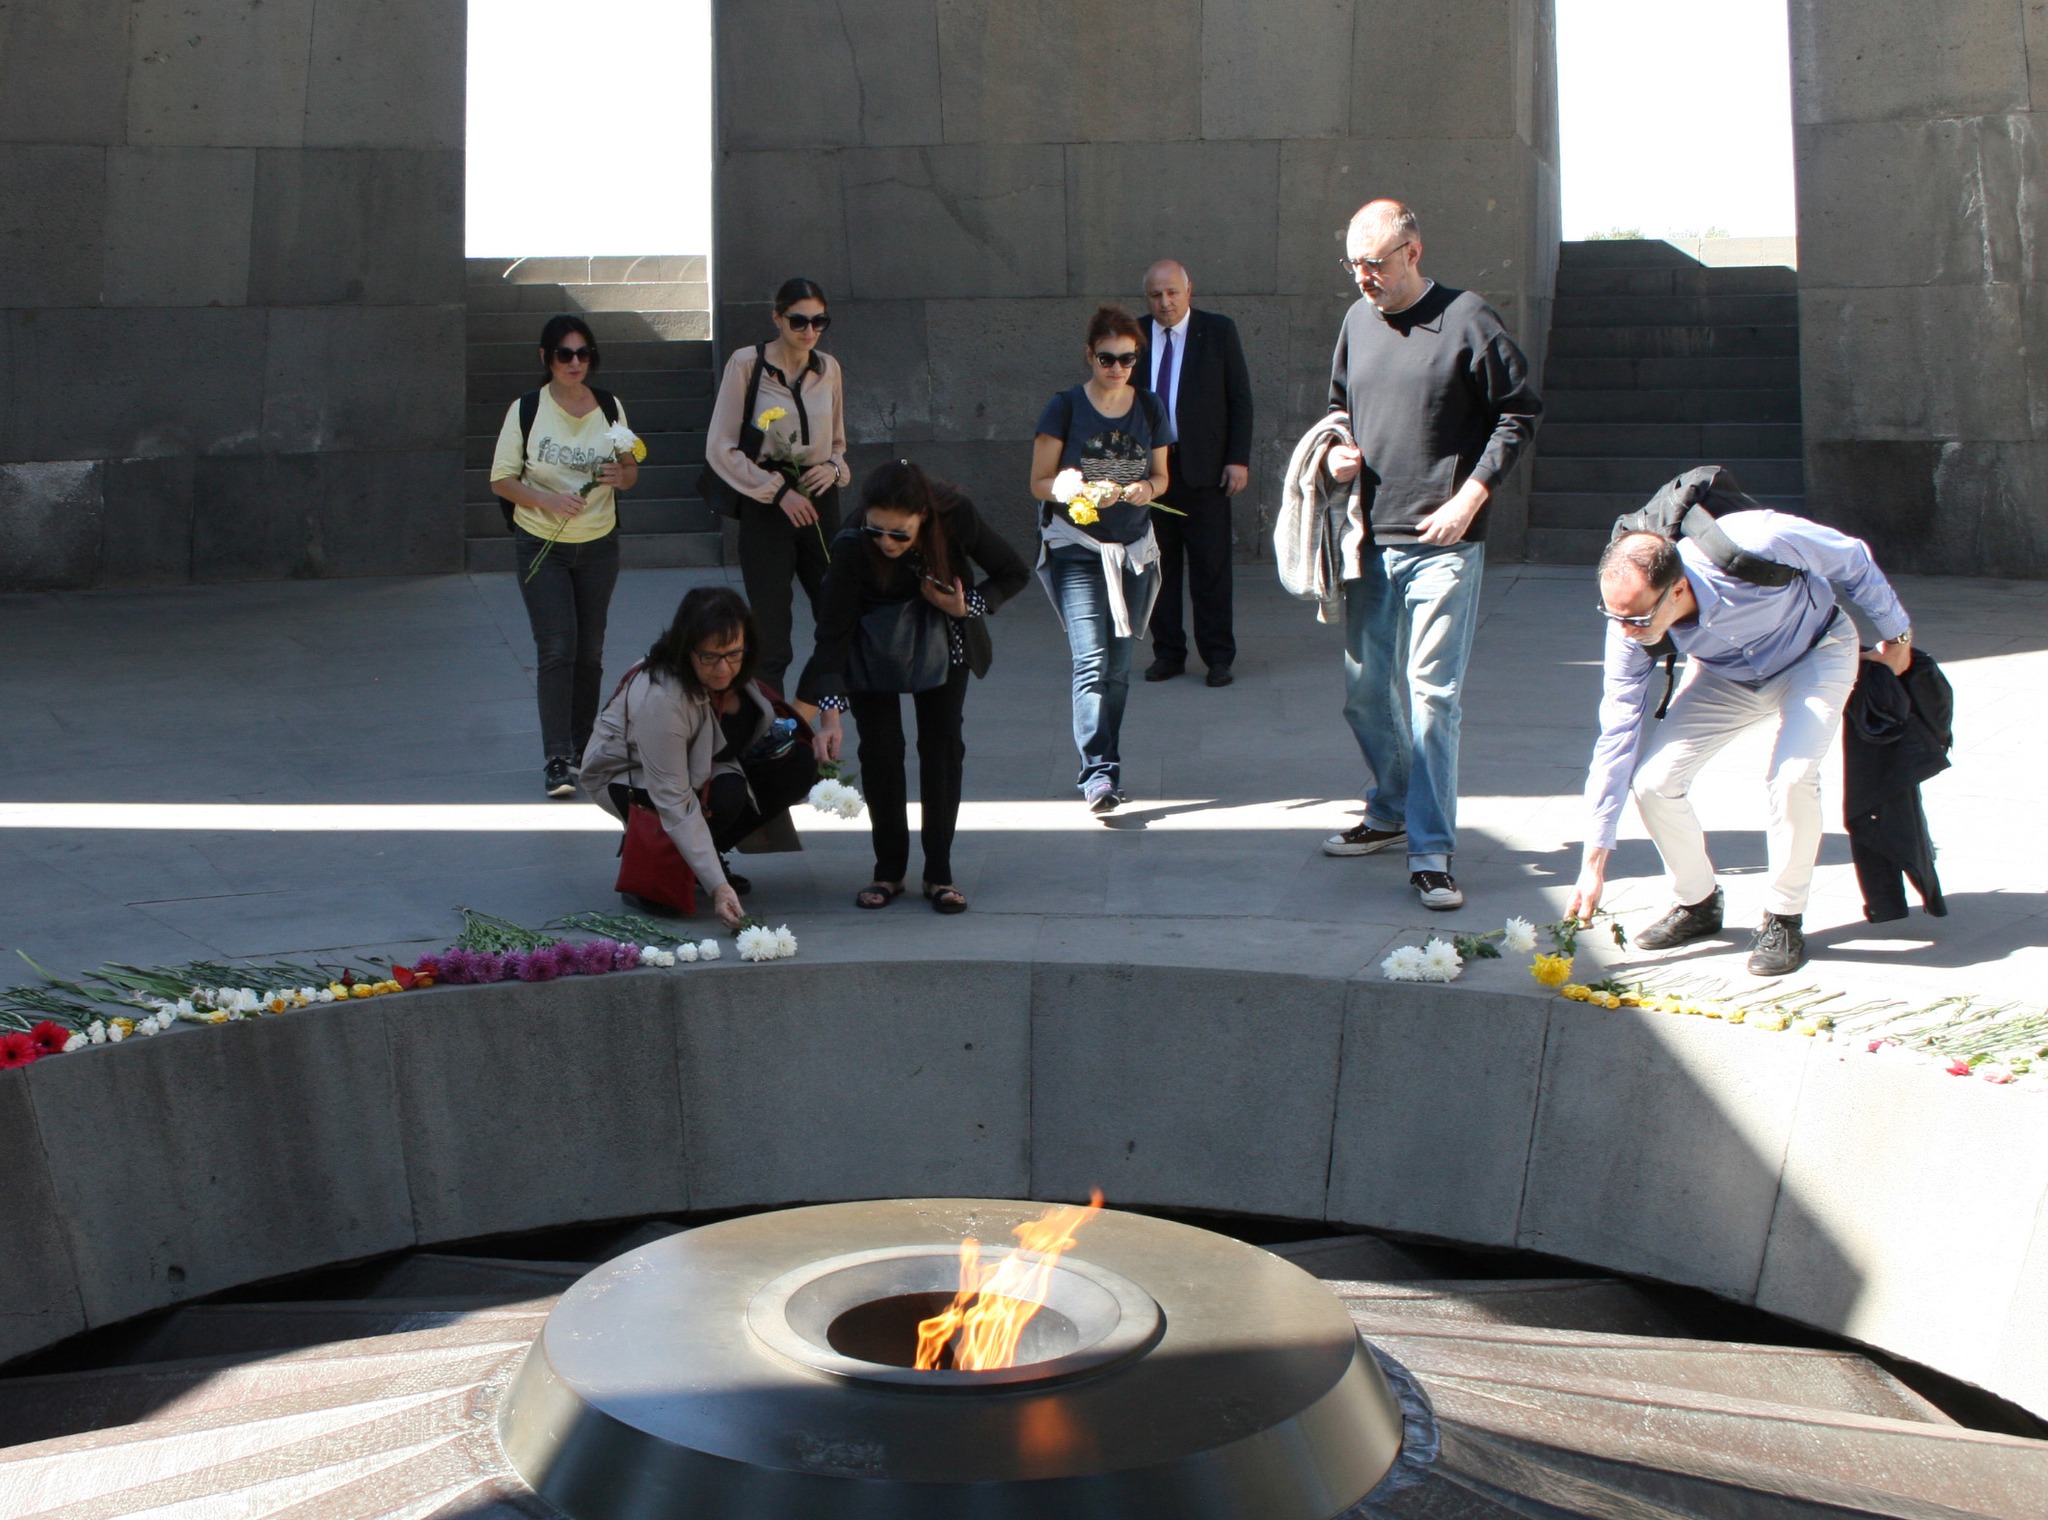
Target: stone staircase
pixel 1555 1397
pixel 1658 363
pixel 652 320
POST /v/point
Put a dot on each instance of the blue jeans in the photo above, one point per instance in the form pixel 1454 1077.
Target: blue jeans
pixel 1102 661
pixel 1409 620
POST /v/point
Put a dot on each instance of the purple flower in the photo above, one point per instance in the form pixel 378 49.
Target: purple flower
pixel 428 965
pixel 536 966
pixel 598 957
pixel 458 966
pixel 625 957
pixel 489 967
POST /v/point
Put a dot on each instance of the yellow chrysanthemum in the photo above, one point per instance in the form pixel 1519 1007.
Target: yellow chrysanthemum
pixel 639 451
pixel 769 418
pixel 1082 513
pixel 1575 991
pixel 1551 970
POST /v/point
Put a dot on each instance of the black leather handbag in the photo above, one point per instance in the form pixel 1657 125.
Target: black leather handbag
pixel 717 491
pixel 901 646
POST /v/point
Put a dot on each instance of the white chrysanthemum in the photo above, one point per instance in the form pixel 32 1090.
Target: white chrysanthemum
pixel 686 952
pixel 825 795
pixel 756 943
pixel 785 942
pixel 116 1034
pixel 707 950
pixel 1067 485
pixel 1518 936
pixel 851 803
pixel 76 1042
pixel 96 1031
pixel 1403 964
pixel 1441 961
pixel 619 438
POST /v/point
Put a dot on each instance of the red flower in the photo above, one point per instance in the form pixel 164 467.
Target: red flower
pixel 1958 1067
pixel 50 1037
pixel 404 976
pixel 348 978
pixel 17 1049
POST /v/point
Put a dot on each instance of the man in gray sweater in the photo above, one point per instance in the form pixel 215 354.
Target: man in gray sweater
pixel 1440 405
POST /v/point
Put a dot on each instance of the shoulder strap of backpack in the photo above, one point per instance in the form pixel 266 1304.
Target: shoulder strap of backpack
pixel 1698 525
pixel 606 403
pixel 529 408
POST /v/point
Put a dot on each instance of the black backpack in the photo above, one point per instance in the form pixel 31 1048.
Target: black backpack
pixel 529 408
pixel 1686 508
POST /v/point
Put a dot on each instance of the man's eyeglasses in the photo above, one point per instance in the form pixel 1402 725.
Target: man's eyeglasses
pixel 1369 266
pixel 1115 361
pixel 900 535
pixel 575 356
pixel 1638 620
pixel 798 322
pixel 715 658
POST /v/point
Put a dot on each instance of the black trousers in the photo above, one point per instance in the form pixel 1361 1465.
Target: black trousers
pixel 568 600
pixel 941 756
pixel 729 805
pixel 773 551
pixel 1199 541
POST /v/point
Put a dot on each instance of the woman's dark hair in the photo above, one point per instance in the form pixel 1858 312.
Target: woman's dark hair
pixel 1114 321
pixel 796 290
pixel 559 328
pixel 901 486
pixel 707 615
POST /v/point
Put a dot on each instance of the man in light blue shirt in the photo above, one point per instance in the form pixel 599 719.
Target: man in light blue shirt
pixel 1753 654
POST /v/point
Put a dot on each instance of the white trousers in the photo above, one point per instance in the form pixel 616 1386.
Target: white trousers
pixel 1806 701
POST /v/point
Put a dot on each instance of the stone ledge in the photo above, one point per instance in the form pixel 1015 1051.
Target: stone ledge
pixel 1714 1156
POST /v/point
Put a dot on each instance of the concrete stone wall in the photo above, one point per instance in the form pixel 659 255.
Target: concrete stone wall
pixel 231 289
pixel 1922 293
pixel 968 179
pixel 1840 1190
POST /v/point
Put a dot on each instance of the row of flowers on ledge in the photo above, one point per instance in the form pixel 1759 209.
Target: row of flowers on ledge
pixel 61 1016
pixel 1962 1036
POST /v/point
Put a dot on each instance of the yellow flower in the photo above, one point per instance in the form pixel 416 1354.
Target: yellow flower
pixel 1082 513
pixel 127 1025
pixel 217 1017
pixel 1630 1000
pixel 337 989
pixel 1574 991
pixel 361 990
pixel 1608 1000
pixel 769 418
pixel 278 1005
pixel 1737 1017
pixel 639 451
pixel 1551 970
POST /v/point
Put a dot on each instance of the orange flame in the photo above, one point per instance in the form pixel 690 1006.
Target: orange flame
pixel 996 1302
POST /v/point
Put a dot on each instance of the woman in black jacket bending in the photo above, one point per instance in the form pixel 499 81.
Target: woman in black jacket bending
pixel 895 616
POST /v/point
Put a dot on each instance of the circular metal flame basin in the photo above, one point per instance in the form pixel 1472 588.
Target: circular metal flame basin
pixel 758 1369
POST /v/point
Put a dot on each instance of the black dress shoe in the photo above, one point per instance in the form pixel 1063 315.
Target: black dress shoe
pixel 1683 924
pixel 1779 948
pixel 1219 675
pixel 1163 669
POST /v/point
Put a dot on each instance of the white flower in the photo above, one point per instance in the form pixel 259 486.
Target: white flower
pixel 757 944
pixel 96 1031
pixel 1441 961
pixel 1518 936
pixel 325 995
pixel 1067 485
pixel 116 1034
pixel 851 802
pixel 785 942
pixel 619 438
pixel 825 795
pixel 685 952
pixel 76 1042
pixel 707 950
pixel 1403 964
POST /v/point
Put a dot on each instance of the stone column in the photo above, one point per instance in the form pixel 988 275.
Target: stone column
pixel 231 289
pixel 1920 185
pixel 968 179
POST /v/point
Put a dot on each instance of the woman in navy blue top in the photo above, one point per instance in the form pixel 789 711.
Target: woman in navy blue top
pixel 1097 555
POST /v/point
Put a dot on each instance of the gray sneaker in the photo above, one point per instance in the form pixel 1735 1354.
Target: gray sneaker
pixel 1101 795
pixel 1363 839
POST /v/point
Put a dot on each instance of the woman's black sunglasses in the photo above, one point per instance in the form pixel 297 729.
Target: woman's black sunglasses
pixel 571 355
pixel 799 322
pixel 1115 361
pixel 901 535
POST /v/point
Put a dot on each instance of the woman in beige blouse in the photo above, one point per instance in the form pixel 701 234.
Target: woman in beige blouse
pixel 789 512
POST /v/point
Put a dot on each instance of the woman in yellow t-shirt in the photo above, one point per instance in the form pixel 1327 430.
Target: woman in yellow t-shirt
pixel 559 482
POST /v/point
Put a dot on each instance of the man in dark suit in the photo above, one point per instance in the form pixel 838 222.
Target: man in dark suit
pixel 1195 364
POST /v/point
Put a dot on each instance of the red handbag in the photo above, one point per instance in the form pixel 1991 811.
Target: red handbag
pixel 650 865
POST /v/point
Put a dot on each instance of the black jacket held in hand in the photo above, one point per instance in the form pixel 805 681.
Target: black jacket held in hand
pixel 861 580
pixel 1896 733
pixel 1212 410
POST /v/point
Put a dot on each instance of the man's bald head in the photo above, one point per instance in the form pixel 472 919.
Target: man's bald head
pixel 1383 245
pixel 1168 291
